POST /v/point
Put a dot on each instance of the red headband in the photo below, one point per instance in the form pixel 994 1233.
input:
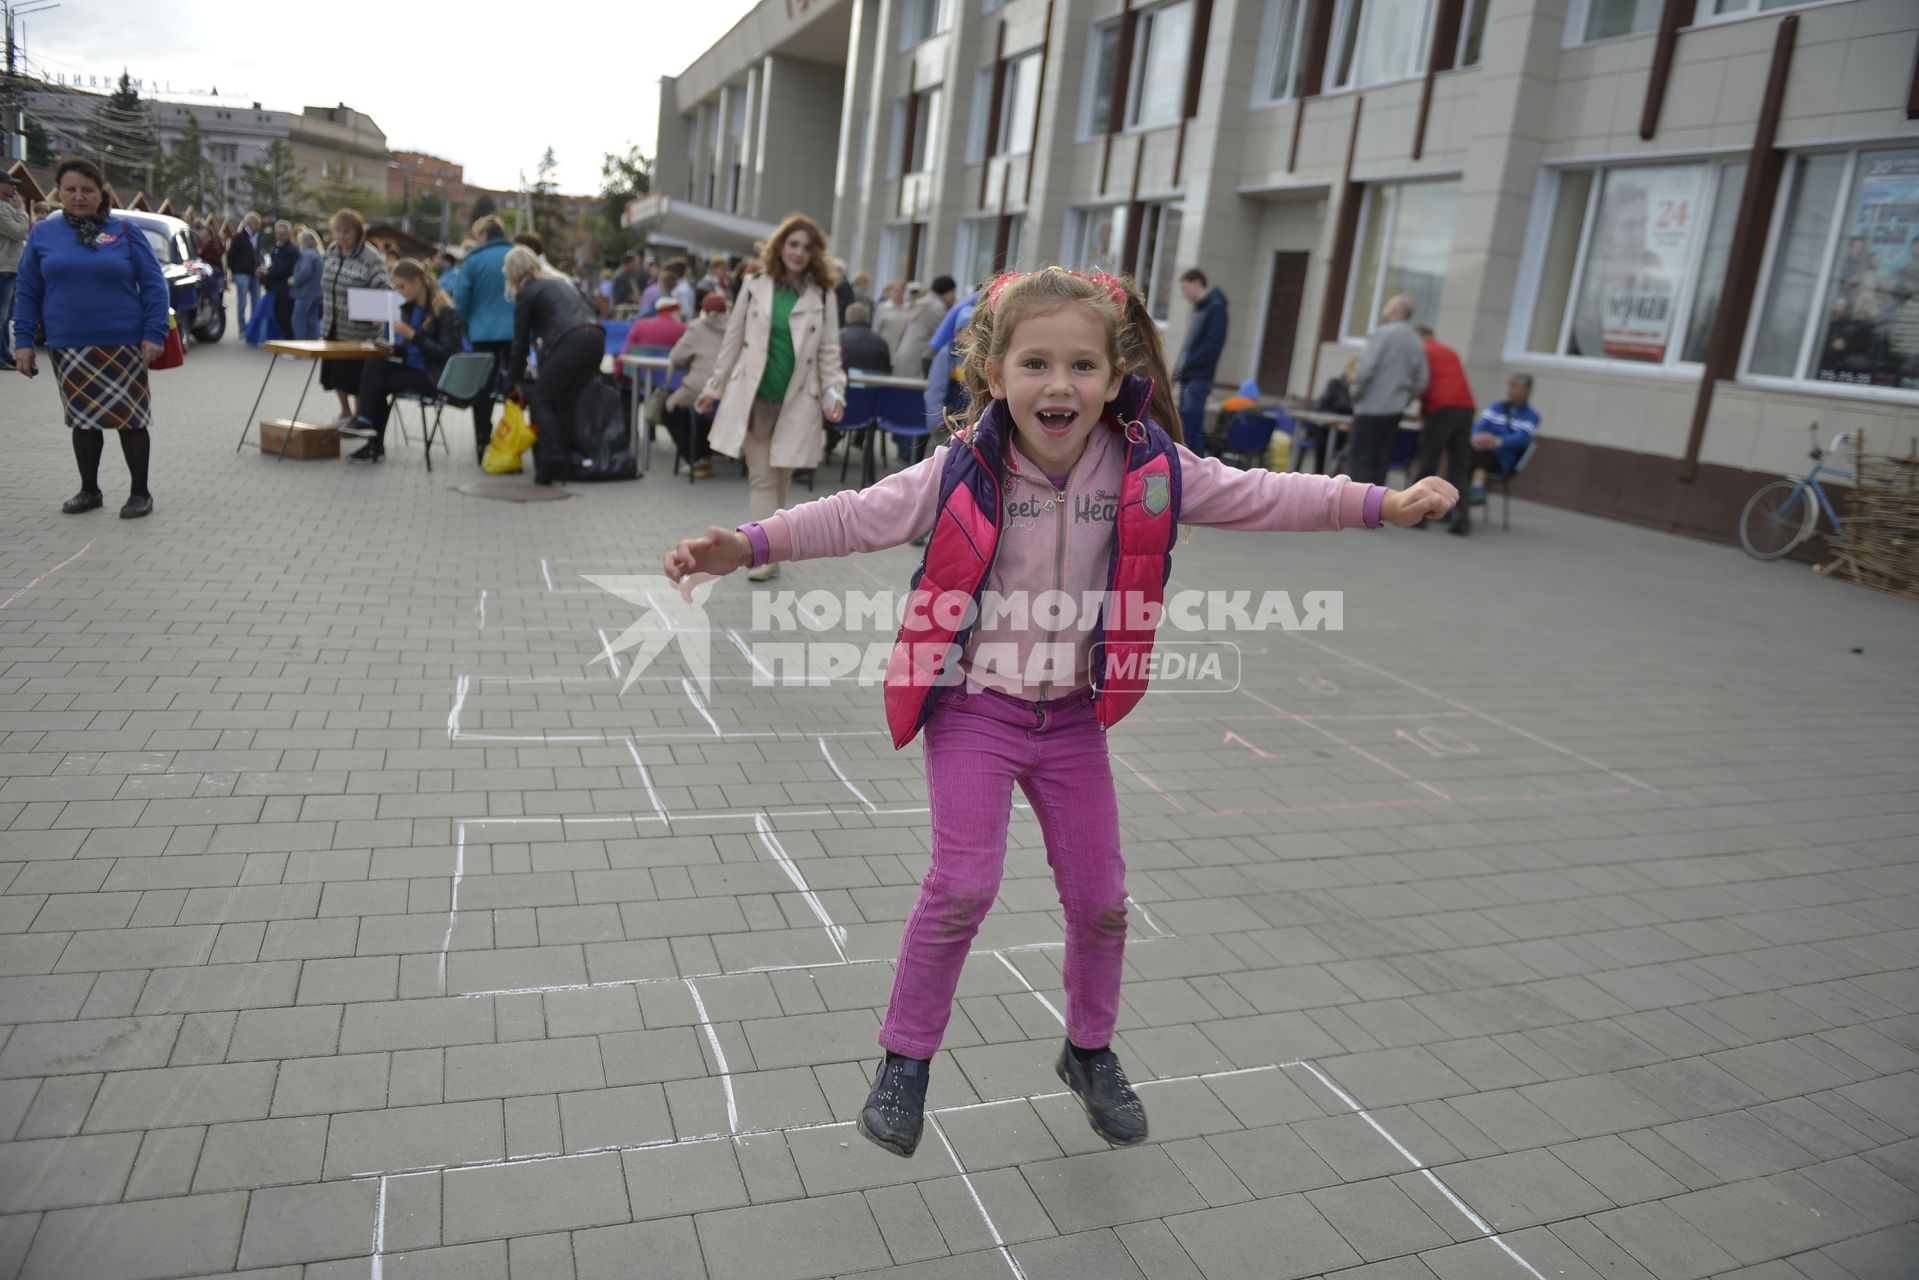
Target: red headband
pixel 1100 278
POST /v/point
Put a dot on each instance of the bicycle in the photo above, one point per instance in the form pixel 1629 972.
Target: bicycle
pixel 1783 514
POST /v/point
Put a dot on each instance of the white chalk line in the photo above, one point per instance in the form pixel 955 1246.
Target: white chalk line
pixel 606 649
pixel 1479 1223
pixel 966 1180
pixel 719 1057
pixel 844 780
pixel 1021 978
pixel 453 904
pixel 1495 721
pixel 834 933
pixel 735 1133
pixel 48 574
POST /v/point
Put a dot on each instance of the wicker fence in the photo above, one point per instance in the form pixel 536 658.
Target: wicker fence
pixel 1881 546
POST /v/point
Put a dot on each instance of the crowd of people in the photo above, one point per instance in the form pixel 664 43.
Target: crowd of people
pixel 764 346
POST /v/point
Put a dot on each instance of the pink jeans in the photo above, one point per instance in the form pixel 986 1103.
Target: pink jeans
pixel 978 744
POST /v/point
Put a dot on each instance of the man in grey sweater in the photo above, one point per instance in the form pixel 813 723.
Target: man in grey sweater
pixel 1392 374
pixel 15 222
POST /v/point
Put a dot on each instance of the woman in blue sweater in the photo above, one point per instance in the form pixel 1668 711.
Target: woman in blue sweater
pixel 91 284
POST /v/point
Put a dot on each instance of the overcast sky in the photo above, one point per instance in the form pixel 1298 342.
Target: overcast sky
pixel 489 92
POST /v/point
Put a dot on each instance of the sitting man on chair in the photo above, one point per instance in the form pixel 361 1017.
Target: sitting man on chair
pixel 1501 436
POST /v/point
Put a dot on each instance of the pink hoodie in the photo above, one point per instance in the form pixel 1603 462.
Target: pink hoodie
pixel 1067 549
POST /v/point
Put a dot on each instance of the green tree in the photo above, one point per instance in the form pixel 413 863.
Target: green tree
pixel 273 183
pixel 483 205
pixel 549 214
pixel 622 178
pixel 121 137
pixel 184 174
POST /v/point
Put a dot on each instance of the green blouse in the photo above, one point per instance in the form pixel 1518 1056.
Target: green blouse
pixel 779 347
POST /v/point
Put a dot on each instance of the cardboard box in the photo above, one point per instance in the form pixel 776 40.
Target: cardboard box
pixel 308 439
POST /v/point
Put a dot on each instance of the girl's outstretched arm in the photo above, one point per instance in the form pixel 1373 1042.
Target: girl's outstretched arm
pixel 1214 495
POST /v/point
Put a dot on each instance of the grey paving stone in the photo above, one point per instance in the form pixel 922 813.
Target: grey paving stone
pixel 794 1241
pixel 1377 1219
pixel 386 1141
pixel 534 1197
pixel 1663 1241
pixel 1108 1188
pixel 60 1173
pixel 608 1253
pixel 182 1095
pixel 689 1178
pixel 261 1153
pixel 96 1044
pixel 905 1223
pixel 317 1086
pixel 1283 1237
pixel 144 1240
pixel 309 1223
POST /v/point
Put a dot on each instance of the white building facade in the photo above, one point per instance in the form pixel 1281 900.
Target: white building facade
pixel 1695 223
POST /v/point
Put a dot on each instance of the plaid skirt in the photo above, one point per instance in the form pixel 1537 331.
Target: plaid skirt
pixel 103 388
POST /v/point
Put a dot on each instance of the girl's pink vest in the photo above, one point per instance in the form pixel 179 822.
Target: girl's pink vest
pixel 966 535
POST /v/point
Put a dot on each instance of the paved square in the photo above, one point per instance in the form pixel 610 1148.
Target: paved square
pixel 1553 918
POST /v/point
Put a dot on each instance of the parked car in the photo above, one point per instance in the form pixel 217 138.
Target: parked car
pixel 198 288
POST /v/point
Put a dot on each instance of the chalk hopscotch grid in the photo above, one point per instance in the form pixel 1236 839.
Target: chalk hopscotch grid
pixel 837 936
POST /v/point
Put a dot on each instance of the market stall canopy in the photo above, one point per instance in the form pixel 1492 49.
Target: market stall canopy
pixel 681 222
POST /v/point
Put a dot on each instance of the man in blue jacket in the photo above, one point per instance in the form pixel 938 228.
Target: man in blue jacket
pixel 479 293
pixel 1502 434
pixel 1199 356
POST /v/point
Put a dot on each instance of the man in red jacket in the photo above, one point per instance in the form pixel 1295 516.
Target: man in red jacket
pixel 1445 438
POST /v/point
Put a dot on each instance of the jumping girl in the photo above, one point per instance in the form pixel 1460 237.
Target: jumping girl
pixel 1071 478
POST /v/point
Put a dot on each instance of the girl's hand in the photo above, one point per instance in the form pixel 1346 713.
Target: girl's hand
pixel 1427 499
pixel 835 410
pixel 705 405
pixel 403 329
pixel 717 551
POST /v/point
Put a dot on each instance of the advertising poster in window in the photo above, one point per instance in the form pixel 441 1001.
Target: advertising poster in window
pixel 1872 310
pixel 1640 244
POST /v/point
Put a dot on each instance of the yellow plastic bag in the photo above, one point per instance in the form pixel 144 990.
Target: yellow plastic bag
pixel 513 436
pixel 1279 454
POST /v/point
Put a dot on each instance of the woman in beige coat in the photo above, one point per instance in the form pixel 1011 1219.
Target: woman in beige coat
pixel 778 372
pixel 696 352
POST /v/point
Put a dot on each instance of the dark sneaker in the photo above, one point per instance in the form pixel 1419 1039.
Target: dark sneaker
pixel 140 504
pixel 896 1109
pixel 1103 1089
pixel 357 427
pixel 368 452
pixel 85 500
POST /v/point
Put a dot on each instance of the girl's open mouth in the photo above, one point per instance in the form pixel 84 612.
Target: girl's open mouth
pixel 1057 422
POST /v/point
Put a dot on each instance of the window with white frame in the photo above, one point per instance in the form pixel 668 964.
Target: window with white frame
pixel 1634 261
pixel 918 111
pixel 979 115
pixel 1405 238
pixel 1590 20
pixel 1158 267
pixel 920 19
pixel 1019 104
pixel 1379 41
pixel 1841 288
pixel 1713 9
pixel 1095 238
pixel 1096 86
pixel 896 252
pixel 1281 36
pixel 1162 41
pixel 973 264
pixel 1472 33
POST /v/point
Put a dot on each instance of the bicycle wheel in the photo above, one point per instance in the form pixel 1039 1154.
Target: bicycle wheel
pixel 1777 518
